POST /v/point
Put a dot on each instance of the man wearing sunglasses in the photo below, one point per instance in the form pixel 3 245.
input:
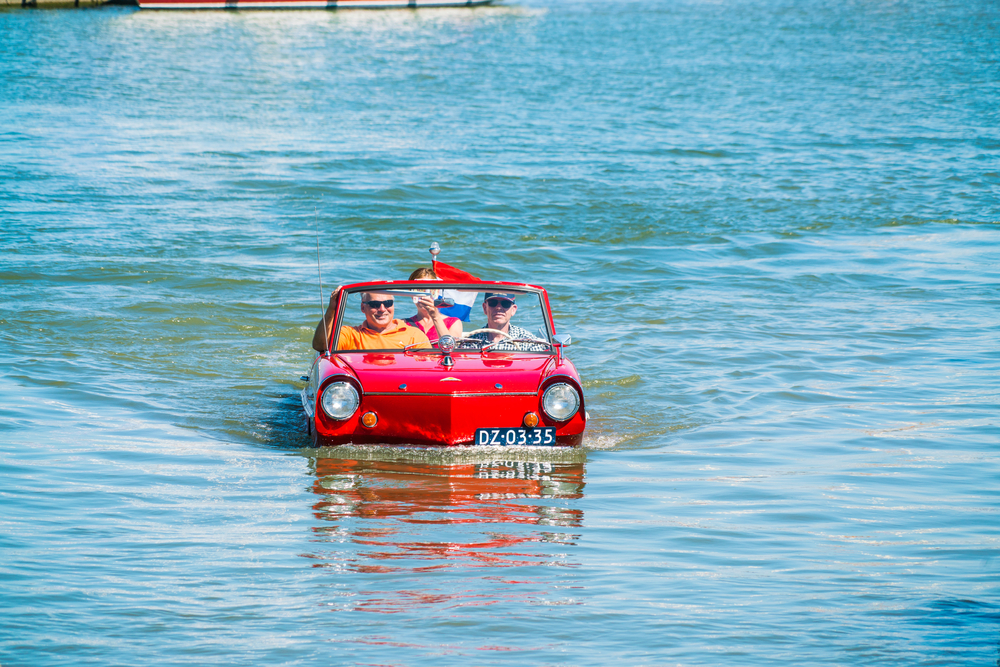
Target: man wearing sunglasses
pixel 380 330
pixel 499 309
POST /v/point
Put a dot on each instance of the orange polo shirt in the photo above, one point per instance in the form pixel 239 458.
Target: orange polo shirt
pixel 397 336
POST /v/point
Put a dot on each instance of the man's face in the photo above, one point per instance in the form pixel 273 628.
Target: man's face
pixel 380 316
pixel 498 311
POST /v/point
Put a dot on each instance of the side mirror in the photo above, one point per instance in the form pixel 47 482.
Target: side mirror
pixel 563 339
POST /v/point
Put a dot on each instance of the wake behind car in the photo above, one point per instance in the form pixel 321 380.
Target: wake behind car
pixel 483 387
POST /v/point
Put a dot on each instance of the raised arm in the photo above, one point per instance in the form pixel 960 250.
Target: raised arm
pixel 322 335
pixel 426 303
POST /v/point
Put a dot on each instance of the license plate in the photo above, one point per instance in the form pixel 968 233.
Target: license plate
pixel 544 436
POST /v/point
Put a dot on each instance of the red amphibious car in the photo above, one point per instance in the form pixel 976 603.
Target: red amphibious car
pixel 480 388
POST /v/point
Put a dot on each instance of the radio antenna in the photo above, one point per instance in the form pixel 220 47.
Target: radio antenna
pixel 319 271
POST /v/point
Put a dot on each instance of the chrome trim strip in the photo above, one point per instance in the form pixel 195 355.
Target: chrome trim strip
pixel 462 395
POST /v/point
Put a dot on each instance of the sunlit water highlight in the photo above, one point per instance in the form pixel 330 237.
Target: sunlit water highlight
pixel 770 227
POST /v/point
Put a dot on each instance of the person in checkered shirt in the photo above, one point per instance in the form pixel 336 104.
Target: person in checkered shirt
pixel 499 309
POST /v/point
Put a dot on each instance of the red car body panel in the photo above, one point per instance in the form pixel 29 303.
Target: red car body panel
pixel 419 400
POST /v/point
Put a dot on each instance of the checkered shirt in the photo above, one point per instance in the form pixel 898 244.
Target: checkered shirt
pixel 506 344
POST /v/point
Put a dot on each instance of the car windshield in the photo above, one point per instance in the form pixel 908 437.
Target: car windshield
pixel 513 321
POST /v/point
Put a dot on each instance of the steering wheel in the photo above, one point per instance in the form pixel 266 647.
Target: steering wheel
pixel 484 345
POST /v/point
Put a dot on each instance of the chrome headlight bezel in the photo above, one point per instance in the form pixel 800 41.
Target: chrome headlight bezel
pixel 339 400
pixel 560 401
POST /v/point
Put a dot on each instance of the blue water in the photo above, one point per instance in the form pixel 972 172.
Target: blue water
pixel 772 228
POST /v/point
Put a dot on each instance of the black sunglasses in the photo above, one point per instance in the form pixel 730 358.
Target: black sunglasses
pixel 375 304
pixel 493 303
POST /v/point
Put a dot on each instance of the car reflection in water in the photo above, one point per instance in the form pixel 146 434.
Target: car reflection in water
pixel 405 518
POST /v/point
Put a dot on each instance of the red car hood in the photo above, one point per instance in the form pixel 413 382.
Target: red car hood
pixel 425 374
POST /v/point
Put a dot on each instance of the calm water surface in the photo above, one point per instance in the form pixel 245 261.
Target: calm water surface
pixel 772 227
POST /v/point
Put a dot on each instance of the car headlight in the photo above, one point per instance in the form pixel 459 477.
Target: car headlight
pixel 340 400
pixel 560 401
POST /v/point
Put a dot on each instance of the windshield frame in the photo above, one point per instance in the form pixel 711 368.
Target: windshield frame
pixel 340 319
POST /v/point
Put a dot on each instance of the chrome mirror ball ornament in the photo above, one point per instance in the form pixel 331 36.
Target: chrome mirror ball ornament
pixel 447 345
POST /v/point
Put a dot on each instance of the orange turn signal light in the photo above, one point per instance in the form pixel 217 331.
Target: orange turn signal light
pixel 531 420
pixel 369 419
